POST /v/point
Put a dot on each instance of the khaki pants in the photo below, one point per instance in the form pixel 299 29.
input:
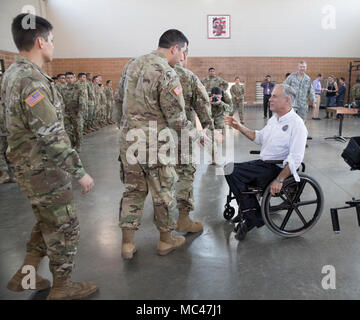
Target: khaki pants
pixel 316 107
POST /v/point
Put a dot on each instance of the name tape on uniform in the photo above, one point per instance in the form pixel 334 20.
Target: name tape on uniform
pixel 178 89
pixel 34 98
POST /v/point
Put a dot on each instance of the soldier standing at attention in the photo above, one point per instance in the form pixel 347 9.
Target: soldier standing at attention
pixel 237 96
pixel 75 103
pixel 43 161
pixel 196 101
pixel 84 113
pixel 110 101
pixel 102 105
pixel 61 83
pixel 214 81
pixel 96 81
pixel 153 102
pixel 91 102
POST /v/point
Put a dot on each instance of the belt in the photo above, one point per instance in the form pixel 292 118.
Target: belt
pixel 319 94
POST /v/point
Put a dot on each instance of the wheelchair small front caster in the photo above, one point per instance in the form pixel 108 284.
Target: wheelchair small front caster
pixel 229 212
pixel 241 230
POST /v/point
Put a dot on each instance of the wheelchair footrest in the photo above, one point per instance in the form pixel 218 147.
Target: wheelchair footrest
pixel 335 216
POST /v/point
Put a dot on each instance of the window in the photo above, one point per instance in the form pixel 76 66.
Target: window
pixel 259 96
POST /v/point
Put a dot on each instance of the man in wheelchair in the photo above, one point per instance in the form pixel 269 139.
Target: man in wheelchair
pixel 283 138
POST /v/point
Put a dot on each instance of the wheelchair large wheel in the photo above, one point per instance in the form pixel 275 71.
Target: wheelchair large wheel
pixel 296 209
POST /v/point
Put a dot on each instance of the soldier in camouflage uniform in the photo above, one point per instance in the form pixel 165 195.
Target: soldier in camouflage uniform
pixel 196 101
pixel 110 101
pixel 214 81
pixel 85 112
pixel 91 102
pixel 96 120
pixel 304 89
pixel 219 108
pixel 61 83
pixel 237 96
pixel 152 103
pixel 43 161
pixel 75 102
pixel 102 106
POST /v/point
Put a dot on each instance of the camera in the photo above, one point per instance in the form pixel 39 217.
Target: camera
pixel 214 99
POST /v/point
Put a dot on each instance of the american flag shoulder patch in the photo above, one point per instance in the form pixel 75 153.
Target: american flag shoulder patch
pixel 178 89
pixel 34 98
pixel 201 86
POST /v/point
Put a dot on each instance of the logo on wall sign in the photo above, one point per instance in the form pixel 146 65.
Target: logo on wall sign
pixel 285 127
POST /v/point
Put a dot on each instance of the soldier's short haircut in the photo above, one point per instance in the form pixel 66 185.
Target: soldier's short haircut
pixel 69 73
pixel 303 62
pixel 108 81
pixel 24 38
pixel 81 74
pixel 94 77
pixel 211 68
pixel 54 78
pixel 60 74
pixel 237 77
pixel 171 38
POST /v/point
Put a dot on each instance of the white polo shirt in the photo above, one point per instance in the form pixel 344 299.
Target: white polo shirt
pixel 283 138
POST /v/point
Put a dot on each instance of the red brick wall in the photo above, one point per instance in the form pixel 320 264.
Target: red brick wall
pixel 249 69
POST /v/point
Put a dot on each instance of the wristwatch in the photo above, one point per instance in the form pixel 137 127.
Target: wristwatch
pixel 278 179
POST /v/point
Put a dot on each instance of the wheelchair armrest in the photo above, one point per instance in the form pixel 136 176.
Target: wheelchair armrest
pixel 274 161
pixel 254 152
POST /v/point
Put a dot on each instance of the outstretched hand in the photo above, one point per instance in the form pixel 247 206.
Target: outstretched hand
pixel 232 122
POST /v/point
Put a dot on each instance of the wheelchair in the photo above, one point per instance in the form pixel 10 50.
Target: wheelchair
pixel 290 213
pixel 351 156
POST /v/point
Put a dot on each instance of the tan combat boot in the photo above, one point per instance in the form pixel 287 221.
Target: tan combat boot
pixel 185 224
pixel 65 289
pixel 4 177
pixel 15 282
pixel 168 243
pixel 128 245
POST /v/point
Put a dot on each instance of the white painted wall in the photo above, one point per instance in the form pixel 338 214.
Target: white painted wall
pixel 9 9
pixel 126 28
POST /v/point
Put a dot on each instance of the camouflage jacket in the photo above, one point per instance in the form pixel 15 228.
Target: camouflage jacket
pixel 37 138
pixel 96 95
pixel 303 88
pixel 102 99
pixel 119 94
pixel 211 82
pixel 196 98
pixel 153 102
pixel 218 113
pixel 355 91
pixel 237 93
pixel 84 94
pixel 74 99
pixel 59 86
pixel 90 92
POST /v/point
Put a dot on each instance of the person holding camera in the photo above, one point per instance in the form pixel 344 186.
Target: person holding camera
pixel 218 112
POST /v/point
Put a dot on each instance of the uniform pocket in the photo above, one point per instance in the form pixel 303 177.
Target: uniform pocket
pixel 167 176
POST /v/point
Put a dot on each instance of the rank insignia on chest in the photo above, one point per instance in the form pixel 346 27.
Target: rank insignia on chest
pixel 285 127
pixel 178 89
pixel 34 98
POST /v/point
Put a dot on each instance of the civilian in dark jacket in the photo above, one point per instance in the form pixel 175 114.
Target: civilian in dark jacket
pixel 268 87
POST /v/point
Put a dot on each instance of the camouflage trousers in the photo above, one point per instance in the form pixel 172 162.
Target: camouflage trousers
pixel 184 186
pixel 108 112
pixel 138 180
pixel 4 168
pixel 90 117
pixel 77 124
pixel 56 232
pixel 240 107
pixel 69 130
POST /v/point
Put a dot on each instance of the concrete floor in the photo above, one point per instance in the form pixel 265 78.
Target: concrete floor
pixel 211 265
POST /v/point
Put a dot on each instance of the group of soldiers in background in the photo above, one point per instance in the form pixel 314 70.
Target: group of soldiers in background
pixel 88 104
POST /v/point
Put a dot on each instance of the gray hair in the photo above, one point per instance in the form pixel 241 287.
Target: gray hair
pixel 288 91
